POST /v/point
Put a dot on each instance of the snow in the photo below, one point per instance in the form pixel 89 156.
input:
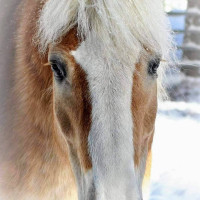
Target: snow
pixel 194 28
pixel 174 4
pixel 194 10
pixel 191 45
pixel 176 147
pixel 194 63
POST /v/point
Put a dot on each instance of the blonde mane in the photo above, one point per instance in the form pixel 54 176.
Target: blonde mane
pixel 122 26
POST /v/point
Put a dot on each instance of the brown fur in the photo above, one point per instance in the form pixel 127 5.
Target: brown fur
pixel 51 127
pixel 74 110
pixel 144 109
pixel 36 164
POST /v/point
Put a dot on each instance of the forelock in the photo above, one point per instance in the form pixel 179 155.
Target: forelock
pixel 124 27
pixel 124 24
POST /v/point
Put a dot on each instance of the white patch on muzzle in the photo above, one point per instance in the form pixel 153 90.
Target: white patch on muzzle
pixel 111 135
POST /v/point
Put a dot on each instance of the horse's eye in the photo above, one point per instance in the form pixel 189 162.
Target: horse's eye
pixel 153 66
pixel 58 70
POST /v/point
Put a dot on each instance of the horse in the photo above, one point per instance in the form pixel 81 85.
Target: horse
pixel 87 77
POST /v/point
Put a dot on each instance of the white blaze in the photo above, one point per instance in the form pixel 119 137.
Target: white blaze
pixel 111 135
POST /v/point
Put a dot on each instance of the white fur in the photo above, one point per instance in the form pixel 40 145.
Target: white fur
pixel 84 180
pixel 140 170
pixel 111 135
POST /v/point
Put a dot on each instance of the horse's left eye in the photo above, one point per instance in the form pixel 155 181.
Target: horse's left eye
pixel 153 66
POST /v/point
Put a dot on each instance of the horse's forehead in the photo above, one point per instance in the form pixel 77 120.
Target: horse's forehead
pixel 96 63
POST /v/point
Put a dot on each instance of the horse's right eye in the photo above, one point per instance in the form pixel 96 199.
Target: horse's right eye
pixel 58 69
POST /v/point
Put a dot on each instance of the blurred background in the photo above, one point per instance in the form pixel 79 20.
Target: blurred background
pixel 176 148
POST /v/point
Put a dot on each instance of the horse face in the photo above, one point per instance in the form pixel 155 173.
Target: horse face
pixel 107 115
